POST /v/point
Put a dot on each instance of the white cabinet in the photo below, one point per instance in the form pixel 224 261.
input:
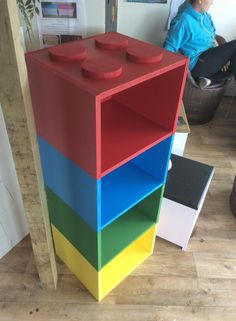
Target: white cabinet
pixel 13 225
pixel 186 188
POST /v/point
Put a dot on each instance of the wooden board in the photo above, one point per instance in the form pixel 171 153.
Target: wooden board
pixel 182 125
pixel 21 130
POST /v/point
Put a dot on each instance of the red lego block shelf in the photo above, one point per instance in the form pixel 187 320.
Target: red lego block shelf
pixel 114 103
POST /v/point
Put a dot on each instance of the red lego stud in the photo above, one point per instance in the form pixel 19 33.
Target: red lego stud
pixel 101 68
pixel 111 41
pixel 68 53
pixel 144 53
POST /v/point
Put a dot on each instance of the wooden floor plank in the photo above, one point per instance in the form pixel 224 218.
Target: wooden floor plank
pixel 195 314
pixel 216 265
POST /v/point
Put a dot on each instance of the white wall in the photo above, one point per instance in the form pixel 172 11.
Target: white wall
pixel 148 21
pixel 13 225
pixel 95 14
pixel 223 13
pixel 143 21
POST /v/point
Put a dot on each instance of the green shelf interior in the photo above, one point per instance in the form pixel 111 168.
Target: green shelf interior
pixel 99 248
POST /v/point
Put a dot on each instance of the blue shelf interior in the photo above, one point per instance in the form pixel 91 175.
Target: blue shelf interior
pixel 132 182
pixel 130 226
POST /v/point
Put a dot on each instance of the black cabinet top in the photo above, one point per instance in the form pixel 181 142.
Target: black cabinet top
pixel 186 181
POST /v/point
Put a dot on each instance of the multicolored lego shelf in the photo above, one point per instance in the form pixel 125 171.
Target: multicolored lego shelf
pixel 105 109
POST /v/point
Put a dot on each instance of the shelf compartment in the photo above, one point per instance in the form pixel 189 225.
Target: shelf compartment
pixel 122 265
pixel 126 229
pixel 137 118
pixel 101 283
pixel 132 182
pixel 100 248
pixel 125 134
pixel 101 202
pixel 122 197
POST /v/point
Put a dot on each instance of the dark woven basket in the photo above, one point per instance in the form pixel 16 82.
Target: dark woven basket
pixel 232 200
pixel 201 104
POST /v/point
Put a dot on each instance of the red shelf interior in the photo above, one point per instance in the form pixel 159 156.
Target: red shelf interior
pixel 124 133
pixel 138 117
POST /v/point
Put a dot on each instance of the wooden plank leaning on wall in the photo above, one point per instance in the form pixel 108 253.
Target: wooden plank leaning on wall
pixel 17 109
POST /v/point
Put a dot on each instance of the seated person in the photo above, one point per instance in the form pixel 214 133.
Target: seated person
pixel 192 33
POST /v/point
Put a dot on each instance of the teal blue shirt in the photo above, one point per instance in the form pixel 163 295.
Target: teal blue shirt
pixel 191 33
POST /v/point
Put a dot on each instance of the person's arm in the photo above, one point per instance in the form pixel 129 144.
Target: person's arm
pixel 212 25
pixel 213 28
pixel 176 37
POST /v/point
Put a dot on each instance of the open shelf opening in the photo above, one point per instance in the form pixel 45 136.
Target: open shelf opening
pixel 124 263
pixel 126 229
pixel 132 182
pixel 137 118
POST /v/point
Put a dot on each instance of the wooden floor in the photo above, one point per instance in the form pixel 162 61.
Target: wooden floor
pixel 196 285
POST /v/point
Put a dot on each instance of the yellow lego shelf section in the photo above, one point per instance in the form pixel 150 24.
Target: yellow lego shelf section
pixel 102 282
pixel 76 262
